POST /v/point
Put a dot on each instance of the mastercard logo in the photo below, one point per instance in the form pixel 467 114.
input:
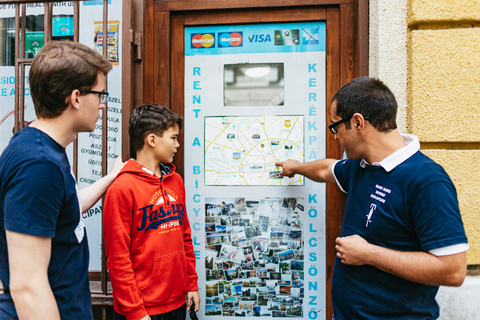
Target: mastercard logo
pixel 230 39
pixel 203 40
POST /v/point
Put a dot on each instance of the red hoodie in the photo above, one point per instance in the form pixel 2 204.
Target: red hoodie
pixel 148 241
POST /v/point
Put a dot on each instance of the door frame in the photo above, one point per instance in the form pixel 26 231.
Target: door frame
pixel 346 59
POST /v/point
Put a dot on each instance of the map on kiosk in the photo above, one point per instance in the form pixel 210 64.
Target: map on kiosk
pixel 242 151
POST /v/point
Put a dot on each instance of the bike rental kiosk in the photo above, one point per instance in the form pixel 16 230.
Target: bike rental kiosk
pixel 253 97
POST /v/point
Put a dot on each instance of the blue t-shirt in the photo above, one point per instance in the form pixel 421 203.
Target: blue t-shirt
pixel 38 197
pixel 413 207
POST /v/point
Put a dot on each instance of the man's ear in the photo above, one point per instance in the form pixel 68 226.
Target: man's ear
pixel 73 99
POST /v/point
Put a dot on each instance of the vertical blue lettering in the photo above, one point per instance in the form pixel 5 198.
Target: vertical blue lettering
pixel 312 82
pixel 196 112
pixel 311 228
pixel 312 96
pixel 196 169
pixel 312 155
pixel 196 85
pixel 312 111
pixel 195 241
pixel 196 226
pixel 197 254
pixel 196 71
pixel 196 142
pixel 311 67
pixel 312 126
pixel 197 211
pixel 311 139
pixel 197 99
pixel 312 198
pixel 196 198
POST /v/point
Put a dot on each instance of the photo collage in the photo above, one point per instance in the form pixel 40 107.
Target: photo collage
pixel 254 258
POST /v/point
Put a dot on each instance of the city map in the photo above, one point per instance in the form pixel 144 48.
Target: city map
pixel 242 151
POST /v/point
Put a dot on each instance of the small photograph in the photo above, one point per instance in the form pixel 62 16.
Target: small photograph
pixel 244 275
pixel 297 279
pixel 251 232
pixel 248 253
pixel 262 312
pixel 210 256
pixel 295 293
pixel 263 222
pixel 234 214
pixel 275 276
pixel 232 253
pixel 225 221
pixel 211 290
pixel 210 227
pixel 228 312
pixel 213 310
pixel 240 313
pixel 294 311
pixel 244 222
pixel 262 300
pixel 261 291
pixel 262 273
pixel 246 305
pixel 271 294
pixel 260 244
pixel 220 229
pixel 289 203
pixel 215 275
pixel 284 266
pixel 216 247
pixel 232 274
pixel 297 235
pixel 227 289
pixel 229 265
pixel 210 219
pixel 276 236
pixel 296 264
pixel 235 222
pixel 286 280
pixel 286 255
pixel 294 244
pixel 287 301
pixel 278 314
pixel 273 305
pixel 214 239
pixel 247 292
pixel 227 305
pixel 237 290
pixel 285 289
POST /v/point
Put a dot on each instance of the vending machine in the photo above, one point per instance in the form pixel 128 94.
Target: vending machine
pixel 255 96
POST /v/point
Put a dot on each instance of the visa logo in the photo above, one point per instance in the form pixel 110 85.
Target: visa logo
pixel 260 38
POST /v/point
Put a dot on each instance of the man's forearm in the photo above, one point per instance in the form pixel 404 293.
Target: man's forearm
pixel 35 303
pixel 421 267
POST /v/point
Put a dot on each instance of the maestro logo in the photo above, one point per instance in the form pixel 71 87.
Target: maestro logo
pixel 205 40
pixel 230 39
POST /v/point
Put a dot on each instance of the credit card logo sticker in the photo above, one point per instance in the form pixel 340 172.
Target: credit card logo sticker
pixel 205 40
pixel 259 38
pixel 310 36
pixel 230 39
pixel 287 37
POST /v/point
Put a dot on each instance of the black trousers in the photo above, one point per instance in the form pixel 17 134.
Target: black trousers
pixel 177 314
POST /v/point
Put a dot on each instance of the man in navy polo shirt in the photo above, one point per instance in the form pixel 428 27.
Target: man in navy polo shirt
pixel 402 235
pixel 43 244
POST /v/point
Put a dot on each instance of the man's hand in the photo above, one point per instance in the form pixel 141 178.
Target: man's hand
pixel 352 250
pixel 147 317
pixel 193 296
pixel 288 167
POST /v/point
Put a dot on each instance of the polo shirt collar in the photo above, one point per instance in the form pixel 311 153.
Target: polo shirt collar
pixel 399 156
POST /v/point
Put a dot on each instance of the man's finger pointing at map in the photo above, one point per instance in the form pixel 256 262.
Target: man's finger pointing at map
pixel 287 167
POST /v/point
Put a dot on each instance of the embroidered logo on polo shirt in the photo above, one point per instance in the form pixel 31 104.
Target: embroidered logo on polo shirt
pixel 369 215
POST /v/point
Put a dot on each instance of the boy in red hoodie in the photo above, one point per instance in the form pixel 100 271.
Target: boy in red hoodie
pixel 147 235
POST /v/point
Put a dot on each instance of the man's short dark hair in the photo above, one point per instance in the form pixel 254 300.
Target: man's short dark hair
pixel 151 118
pixel 59 68
pixel 369 97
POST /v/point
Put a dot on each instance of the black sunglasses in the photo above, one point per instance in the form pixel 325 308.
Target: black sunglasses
pixel 333 126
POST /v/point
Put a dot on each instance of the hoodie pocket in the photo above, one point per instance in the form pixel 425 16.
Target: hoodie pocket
pixel 168 280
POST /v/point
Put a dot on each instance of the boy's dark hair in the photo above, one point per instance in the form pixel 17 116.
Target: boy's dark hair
pixel 59 68
pixel 151 118
pixel 369 97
